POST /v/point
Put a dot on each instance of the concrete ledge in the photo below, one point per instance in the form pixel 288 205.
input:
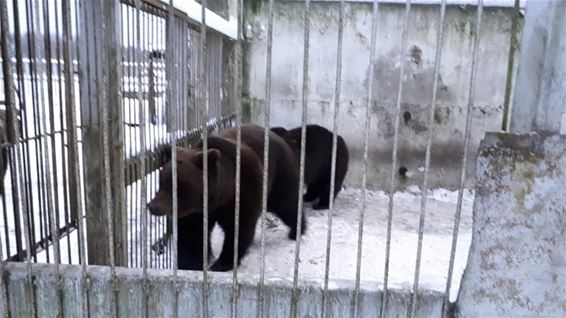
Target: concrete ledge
pixel 517 262
pixel 161 300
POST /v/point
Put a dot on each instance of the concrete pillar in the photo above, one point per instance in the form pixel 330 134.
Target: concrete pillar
pixel 540 94
pixel 517 261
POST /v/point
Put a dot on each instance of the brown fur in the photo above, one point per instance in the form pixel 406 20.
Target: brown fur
pixel 282 187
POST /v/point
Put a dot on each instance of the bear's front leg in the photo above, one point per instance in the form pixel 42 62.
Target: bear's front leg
pixel 245 238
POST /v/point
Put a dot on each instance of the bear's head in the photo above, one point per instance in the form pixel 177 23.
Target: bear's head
pixel 189 182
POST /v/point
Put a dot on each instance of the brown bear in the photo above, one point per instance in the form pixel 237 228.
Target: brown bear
pixel 318 161
pixel 283 181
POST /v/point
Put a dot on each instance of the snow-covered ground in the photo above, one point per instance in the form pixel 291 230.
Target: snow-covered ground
pixel 441 207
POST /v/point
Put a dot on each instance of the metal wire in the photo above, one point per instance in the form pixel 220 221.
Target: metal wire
pixel 392 182
pixel 430 123
pixel 235 91
pixel 469 109
pixel 294 299
pixel 267 116
pixel 337 91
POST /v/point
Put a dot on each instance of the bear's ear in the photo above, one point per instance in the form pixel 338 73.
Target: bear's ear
pixel 280 131
pixel 284 133
pixel 213 156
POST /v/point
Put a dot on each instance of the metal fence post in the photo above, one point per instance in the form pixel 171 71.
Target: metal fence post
pixel 101 57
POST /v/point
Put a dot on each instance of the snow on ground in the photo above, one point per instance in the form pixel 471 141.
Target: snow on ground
pixel 441 207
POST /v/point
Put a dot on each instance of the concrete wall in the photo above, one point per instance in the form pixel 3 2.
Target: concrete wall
pixel 449 119
pixel 162 300
pixel 517 261
pixel 540 96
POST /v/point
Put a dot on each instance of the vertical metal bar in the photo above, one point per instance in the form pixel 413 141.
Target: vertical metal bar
pixel 295 294
pixel 143 60
pixel 71 118
pixel 13 132
pixel 37 98
pixel 49 129
pixel 267 116
pixel 126 70
pixel 337 92
pixel 25 150
pixel 6 75
pixel 430 123
pixel 171 68
pixel 103 79
pixel 392 180
pixel 162 132
pixel 365 154
pixel 151 105
pixel 54 235
pixel 141 154
pixel 235 91
pixel 63 132
pixel 467 136
pixel 204 102
pixel 128 78
pixel 513 45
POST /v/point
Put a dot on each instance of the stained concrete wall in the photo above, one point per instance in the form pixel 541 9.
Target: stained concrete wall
pixel 517 261
pixel 449 119
pixel 161 299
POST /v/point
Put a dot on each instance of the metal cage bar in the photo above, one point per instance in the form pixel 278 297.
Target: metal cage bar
pixel 392 180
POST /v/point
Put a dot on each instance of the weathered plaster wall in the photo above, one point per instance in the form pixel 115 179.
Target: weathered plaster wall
pixel 449 119
pixel 517 261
